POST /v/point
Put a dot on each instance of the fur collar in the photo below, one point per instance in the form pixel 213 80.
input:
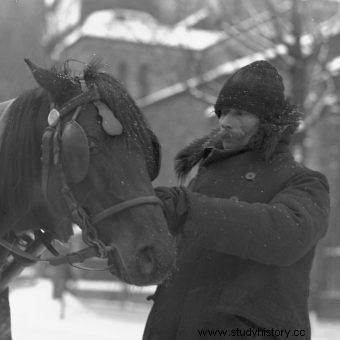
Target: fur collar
pixel 264 142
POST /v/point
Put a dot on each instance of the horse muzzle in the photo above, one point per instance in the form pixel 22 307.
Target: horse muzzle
pixel 146 267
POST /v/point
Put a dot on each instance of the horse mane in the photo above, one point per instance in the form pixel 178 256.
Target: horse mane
pixel 126 111
pixel 20 151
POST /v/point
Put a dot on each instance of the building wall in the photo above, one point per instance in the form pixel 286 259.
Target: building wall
pixel 177 121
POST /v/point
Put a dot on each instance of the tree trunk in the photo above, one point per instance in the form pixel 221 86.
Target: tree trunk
pixel 5 316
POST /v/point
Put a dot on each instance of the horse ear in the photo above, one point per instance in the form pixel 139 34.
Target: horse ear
pixel 57 84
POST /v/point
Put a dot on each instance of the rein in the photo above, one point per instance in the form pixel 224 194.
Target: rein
pixel 51 146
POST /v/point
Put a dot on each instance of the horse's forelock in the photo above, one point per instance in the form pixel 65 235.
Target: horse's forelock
pixel 127 112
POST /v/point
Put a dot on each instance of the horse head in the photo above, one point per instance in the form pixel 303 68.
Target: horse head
pixel 97 162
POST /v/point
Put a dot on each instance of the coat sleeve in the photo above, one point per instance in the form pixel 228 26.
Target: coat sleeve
pixel 278 233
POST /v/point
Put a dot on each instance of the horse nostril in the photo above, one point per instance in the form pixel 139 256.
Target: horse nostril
pixel 146 257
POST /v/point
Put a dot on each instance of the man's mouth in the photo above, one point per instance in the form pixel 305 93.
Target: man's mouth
pixel 229 135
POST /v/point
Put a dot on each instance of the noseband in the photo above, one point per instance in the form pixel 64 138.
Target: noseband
pixel 51 157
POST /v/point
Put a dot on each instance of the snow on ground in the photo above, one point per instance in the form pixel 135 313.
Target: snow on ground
pixel 35 316
pixel 325 329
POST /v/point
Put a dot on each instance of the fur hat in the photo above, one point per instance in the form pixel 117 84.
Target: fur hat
pixel 257 88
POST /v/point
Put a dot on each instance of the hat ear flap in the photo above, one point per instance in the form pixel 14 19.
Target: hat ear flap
pixel 75 152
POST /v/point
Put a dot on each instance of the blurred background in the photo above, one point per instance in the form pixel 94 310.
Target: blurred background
pixel 173 56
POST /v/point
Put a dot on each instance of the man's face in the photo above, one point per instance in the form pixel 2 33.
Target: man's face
pixel 237 126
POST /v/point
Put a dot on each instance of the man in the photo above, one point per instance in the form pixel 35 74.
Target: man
pixel 248 223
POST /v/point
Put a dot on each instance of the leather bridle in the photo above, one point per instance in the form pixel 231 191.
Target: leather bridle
pixel 51 157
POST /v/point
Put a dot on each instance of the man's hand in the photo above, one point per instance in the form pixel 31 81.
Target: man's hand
pixel 175 206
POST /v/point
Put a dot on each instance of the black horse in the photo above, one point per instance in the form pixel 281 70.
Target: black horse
pixel 78 150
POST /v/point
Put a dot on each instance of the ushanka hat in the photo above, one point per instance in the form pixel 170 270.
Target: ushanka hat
pixel 257 88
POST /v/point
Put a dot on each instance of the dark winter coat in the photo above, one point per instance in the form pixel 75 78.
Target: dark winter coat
pixel 247 247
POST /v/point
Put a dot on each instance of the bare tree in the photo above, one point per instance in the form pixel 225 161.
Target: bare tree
pixel 296 34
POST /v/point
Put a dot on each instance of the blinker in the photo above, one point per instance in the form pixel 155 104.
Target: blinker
pixel 75 152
